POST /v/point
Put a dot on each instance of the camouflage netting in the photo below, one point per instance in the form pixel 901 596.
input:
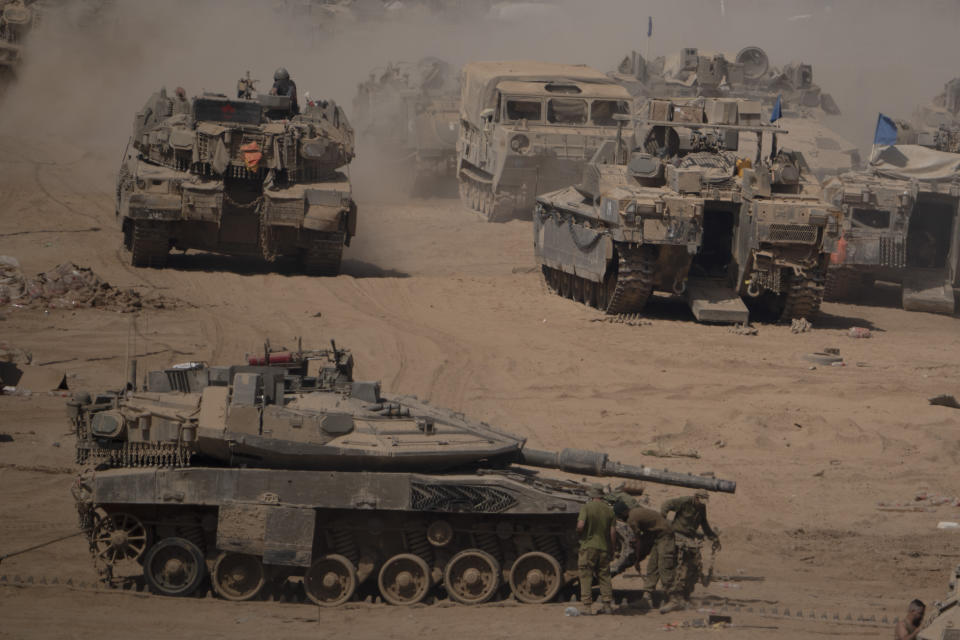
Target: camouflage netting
pixel 68 286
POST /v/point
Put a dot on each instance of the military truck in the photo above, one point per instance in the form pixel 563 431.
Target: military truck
pixel 527 128
pixel 284 469
pixel 411 114
pixel 680 210
pixel 242 176
pixel 900 224
pixel 806 109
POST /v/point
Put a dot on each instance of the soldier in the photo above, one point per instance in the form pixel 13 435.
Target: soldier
pixel 655 539
pixel 180 103
pixel 909 627
pixel 596 526
pixel 283 85
pixel 690 519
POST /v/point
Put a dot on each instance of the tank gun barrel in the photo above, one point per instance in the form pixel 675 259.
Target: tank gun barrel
pixel 595 463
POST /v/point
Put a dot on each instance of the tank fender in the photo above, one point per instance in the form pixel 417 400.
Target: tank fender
pixel 572 248
pixel 325 209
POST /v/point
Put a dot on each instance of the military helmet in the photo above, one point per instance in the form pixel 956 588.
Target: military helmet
pixel 281 74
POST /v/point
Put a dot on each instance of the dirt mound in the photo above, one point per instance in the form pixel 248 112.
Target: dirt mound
pixel 68 286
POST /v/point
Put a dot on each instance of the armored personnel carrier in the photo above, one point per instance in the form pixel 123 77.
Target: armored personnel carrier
pixel 243 176
pixel 935 125
pixel 527 128
pixel 900 224
pixel 806 109
pixel 684 211
pixel 285 468
pixel 411 113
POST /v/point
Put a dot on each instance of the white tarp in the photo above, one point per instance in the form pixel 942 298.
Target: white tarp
pixel 913 162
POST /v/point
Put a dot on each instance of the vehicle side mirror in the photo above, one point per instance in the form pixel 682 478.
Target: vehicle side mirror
pixel 486 116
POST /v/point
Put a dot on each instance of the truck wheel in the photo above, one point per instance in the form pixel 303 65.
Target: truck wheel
pixel 149 244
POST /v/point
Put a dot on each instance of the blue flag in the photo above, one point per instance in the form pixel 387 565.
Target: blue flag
pixel 649 26
pixel 886 132
pixel 776 114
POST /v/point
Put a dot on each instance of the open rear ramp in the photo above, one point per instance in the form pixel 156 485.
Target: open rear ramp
pixel 715 301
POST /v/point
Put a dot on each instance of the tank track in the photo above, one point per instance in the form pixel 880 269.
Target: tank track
pixel 631 288
pixel 322 254
pixel 290 592
pixel 842 284
pixel 803 298
pixel 478 196
pixel 149 244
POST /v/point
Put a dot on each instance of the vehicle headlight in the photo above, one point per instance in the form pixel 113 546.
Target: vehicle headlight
pixel 519 143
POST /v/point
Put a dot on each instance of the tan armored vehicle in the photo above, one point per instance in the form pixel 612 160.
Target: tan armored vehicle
pixel 806 109
pixel 285 467
pixel 935 125
pixel 945 621
pixel 527 128
pixel 900 224
pixel 244 176
pixel 685 211
pixel 411 114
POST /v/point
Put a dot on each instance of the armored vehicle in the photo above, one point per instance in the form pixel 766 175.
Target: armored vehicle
pixel 527 128
pixel 17 18
pixel 244 176
pixel 286 468
pixel 935 125
pixel 945 621
pixel 900 224
pixel 806 110
pixel 683 211
pixel 411 113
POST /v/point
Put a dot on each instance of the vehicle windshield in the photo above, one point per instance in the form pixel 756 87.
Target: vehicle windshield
pixel 520 109
pixel 602 111
pixel 566 111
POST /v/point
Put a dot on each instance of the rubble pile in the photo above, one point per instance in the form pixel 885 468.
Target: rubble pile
pixel 68 286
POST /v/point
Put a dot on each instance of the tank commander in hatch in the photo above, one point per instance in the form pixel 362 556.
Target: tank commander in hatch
pixel 283 85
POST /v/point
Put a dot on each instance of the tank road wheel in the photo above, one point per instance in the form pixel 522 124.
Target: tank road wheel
pixel 174 567
pixel 331 581
pixel 149 244
pixel 238 576
pixel 322 253
pixel 472 576
pixel 535 577
pixel 404 579
pixel 119 536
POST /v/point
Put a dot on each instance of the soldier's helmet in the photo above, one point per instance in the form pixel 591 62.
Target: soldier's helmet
pixel 281 74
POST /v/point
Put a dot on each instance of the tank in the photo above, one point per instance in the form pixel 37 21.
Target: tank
pixel 900 225
pixel 806 109
pixel 286 470
pixel 945 618
pixel 411 112
pixel 527 128
pixel 247 176
pixel 692 203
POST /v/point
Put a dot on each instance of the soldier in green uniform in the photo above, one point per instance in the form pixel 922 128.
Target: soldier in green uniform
pixel 655 539
pixel 689 519
pixel 596 526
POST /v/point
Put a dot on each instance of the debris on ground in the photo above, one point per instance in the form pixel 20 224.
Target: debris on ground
pixel 945 400
pixel 743 329
pixel 631 319
pixel 800 325
pixel 859 332
pixel 824 357
pixel 921 502
pixel 68 286
pixel 948 525
pixel 672 453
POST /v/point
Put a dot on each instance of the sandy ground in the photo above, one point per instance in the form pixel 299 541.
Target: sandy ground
pixel 439 304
